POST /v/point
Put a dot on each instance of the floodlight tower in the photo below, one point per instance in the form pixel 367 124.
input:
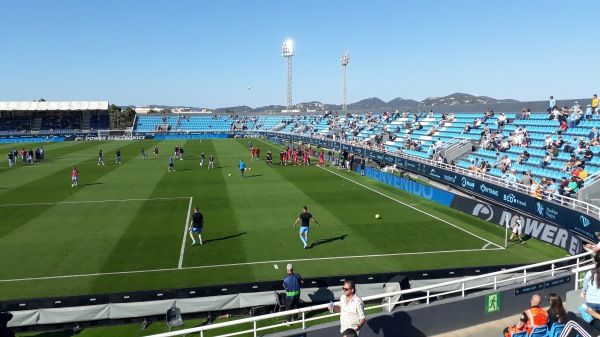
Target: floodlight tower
pixel 288 52
pixel 345 61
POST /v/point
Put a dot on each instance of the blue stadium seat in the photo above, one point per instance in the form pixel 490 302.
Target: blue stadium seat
pixel 556 329
pixel 539 331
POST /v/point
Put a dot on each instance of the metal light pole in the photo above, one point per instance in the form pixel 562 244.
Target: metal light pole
pixel 345 61
pixel 288 52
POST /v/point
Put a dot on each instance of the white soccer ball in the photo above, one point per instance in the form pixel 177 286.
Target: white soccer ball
pixel 377 216
pixel 230 174
pixel 249 168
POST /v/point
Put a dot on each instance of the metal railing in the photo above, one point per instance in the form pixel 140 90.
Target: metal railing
pixel 312 314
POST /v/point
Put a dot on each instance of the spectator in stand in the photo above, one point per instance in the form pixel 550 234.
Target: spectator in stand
pixel 552 105
pixel 489 113
pixel 504 145
pixel 583 173
pixel 569 145
pixel 523 157
pixel 588 112
pixel 534 316
pixel 467 129
pixel 569 164
pixel 504 164
pixel 572 119
pixel 593 137
pixel 563 127
pixel 548 142
pixel 559 142
pixel 502 120
pixel 563 184
pixel 546 161
pixel 511 178
pixel 526 179
pixel 572 188
pixel 594 105
pixel 485 166
pixel 535 189
pixel 556 312
pixel 552 188
pixel 588 155
pixel 475 165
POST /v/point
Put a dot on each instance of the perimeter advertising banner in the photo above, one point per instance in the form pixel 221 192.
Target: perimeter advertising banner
pixel 549 212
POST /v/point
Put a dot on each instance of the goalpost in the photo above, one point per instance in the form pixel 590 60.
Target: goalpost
pixel 115 134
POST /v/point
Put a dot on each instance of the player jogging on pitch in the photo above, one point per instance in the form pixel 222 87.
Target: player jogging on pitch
pixel 305 217
pixel 74 178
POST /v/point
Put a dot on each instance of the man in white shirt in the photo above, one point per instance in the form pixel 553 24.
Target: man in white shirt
pixel 351 309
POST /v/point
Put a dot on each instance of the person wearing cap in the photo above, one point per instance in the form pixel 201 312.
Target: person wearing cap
pixel 594 247
pixel 594 105
pixel 291 284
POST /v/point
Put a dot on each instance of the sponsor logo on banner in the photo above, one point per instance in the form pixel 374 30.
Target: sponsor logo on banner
pixel 584 221
pixel 467 183
pixel 483 211
pixel 512 199
pixel 450 178
pixel 433 174
pixel 539 208
pixel 485 189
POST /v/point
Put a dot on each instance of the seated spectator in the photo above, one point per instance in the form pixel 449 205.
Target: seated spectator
pixel 581 146
pixel 530 318
pixel 546 161
pixel 552 188
pixel 548 142
pixel 502 120
pixel 477 123
pixel 485 166
pixel 419 126
pixel 535 190
pixel 504 164
pixel 588 155
pixel 554 151
pixel 523 157
pixel 559 142
pixel 569 145
pixel 572 188
pixel 489 113
pixel 556 312
pixel 563 127
pixel 504 146
pixel 475 165
pixel 432 131
pixel 563 184
pixel 593 137
pixel 467 129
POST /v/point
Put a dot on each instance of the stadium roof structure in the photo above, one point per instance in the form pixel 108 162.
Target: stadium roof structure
pixel 54 106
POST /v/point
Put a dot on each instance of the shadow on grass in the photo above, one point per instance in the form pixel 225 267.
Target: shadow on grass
pixel 62 333
pixel 90 184
pixel 324 241
pixel 224 238
pixel 254 175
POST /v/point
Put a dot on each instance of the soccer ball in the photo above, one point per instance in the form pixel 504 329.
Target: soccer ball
pixel 230 174
pixel 72 185
pixel 377 216
pixel 249 168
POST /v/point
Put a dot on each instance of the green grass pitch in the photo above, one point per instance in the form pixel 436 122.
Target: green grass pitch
pixel 123 227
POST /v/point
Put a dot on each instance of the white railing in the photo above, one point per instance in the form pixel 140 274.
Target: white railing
pixel 429 293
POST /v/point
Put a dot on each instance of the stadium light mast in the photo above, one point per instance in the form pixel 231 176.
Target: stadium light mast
pixel 288 52
pixel 345 61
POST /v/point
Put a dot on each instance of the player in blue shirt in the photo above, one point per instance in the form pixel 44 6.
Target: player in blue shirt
pixel 242 167
pixel 171 166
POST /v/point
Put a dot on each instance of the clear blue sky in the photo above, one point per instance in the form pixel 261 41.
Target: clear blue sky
pixel 207 53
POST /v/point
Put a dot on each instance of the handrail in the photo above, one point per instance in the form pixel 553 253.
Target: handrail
pixel 573 263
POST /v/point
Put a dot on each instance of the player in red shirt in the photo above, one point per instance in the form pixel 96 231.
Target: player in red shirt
pixel 252 152
pixel 297 157
pixel 283 157
pixel 257 153
pixel 306 157
pixel 289 154
pixel 321 159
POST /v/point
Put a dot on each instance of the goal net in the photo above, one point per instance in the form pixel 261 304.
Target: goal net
pixel 115 134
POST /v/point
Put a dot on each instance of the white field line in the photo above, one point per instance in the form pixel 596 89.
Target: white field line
pixel 241 264
pixel 185 230
pixel 416 209
pixel 88 201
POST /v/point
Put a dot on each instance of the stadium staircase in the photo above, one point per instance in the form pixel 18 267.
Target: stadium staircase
pixel 37 123
pixel 85 121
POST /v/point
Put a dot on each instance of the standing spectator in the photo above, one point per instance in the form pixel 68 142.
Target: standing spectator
pixel 517 228
pixel 526 179
pixel 350 307
pixel 196 226
pixel 305 218
pixel 291 284
pixel 594 105
pixel 556 312
pixel 552 105
pixel 534 316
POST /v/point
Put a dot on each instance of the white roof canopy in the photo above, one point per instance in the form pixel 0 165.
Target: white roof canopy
pixel 54 106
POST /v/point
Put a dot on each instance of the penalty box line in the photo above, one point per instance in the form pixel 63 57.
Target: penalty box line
pixel 88 201
pixel 416 209
pixel 242 264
